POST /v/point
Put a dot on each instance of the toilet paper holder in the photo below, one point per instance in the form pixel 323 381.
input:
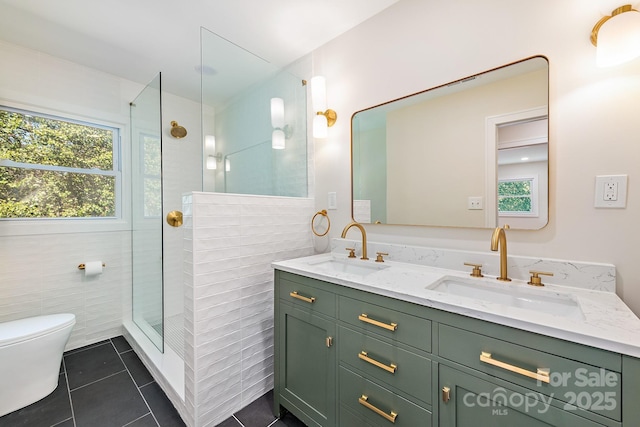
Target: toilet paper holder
pixel 81 266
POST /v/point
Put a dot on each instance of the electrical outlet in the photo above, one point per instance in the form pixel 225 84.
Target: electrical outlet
pixel 611 191
pixel 474 203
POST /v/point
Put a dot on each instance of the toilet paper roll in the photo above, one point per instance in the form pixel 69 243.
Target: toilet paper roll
pixel 92 268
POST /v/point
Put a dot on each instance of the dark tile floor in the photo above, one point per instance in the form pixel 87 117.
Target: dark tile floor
pixel 259 413
pixel 106 385
pixel 101 385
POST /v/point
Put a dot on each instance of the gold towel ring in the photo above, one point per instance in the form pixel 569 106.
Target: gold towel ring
pixel 323 212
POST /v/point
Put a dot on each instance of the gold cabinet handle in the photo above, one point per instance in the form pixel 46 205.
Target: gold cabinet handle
pixel 391 416
pixel 301 298
pixel 390 327
pixel 389 368
pixel 541 374
pixel 446 394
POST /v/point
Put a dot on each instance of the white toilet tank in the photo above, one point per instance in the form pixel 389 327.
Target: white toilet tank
pixel 30 355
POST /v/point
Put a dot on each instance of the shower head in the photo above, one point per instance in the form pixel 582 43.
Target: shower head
pixel 177 131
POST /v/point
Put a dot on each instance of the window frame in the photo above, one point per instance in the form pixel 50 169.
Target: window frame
pixel 533 213
pixel 50 225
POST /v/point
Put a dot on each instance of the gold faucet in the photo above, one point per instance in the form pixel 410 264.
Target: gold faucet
pixel 499 240
pixel 364 237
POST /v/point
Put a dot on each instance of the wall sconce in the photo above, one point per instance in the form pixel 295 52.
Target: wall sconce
pixel 210 143
pixel 212 161
pixel 617 37
pixel 210 147
pixel 278 136
pixel 227 165
pixel 325 118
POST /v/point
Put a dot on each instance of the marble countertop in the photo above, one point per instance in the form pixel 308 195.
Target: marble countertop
pixel 606 322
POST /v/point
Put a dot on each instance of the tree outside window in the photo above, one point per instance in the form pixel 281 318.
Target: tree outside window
pixel 57 168
pixel 517 197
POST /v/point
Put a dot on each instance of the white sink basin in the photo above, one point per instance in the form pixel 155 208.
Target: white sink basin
pixel 509 295
pixel 350 266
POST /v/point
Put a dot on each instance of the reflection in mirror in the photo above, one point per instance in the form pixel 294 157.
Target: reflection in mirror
pixel 248 146
pixel 471 153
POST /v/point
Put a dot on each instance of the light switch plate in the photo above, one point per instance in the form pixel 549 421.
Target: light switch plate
pixel 474 203
pixel 332 200
pixel 611 191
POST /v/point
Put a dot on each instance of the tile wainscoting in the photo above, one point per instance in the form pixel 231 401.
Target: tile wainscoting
pixel 230 242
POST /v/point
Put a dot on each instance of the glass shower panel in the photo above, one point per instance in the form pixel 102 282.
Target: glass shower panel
pixel 146 207
pixel 237 88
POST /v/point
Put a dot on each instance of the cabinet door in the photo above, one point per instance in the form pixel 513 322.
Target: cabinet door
pixel 470 401
pixel 307 366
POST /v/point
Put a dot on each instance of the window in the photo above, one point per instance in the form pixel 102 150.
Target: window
pixel 51 167
pixel 152 180
pixel 518 197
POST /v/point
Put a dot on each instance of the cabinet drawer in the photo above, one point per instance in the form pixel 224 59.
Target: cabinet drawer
pixel 378 405
pixel 401 369
pixel 349 419
pixel 308 297
pixel 584 386
pixel 473 402
pixel 398 326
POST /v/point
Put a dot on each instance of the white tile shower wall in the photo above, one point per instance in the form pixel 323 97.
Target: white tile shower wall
pixel 230 242
pixel 586 275
pixel 39 275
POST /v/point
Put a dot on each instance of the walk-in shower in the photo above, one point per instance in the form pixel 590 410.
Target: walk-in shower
pixel 233 152
pixel 157 183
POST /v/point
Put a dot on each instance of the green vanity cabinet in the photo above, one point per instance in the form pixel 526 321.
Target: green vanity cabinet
pixel 377 405
pixel 305 356
pixel 468 401
pixel 385 368
pixel 579 378
pixel 350 358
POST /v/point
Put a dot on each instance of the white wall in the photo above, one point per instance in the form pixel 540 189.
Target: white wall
pixel 38 262
pixel 38 271
pixel 594 127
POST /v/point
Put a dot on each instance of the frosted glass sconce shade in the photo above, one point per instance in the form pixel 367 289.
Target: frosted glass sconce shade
pixel 277 139
pixel 324 118
pixel 280 130
pixel 212 163
pixel 210 143
pixel 617 37
pixel 320 128
pixel 277 113
pixel 318 93
pixel 227 165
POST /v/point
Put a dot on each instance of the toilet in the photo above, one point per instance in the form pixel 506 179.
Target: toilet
pixel 30 355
